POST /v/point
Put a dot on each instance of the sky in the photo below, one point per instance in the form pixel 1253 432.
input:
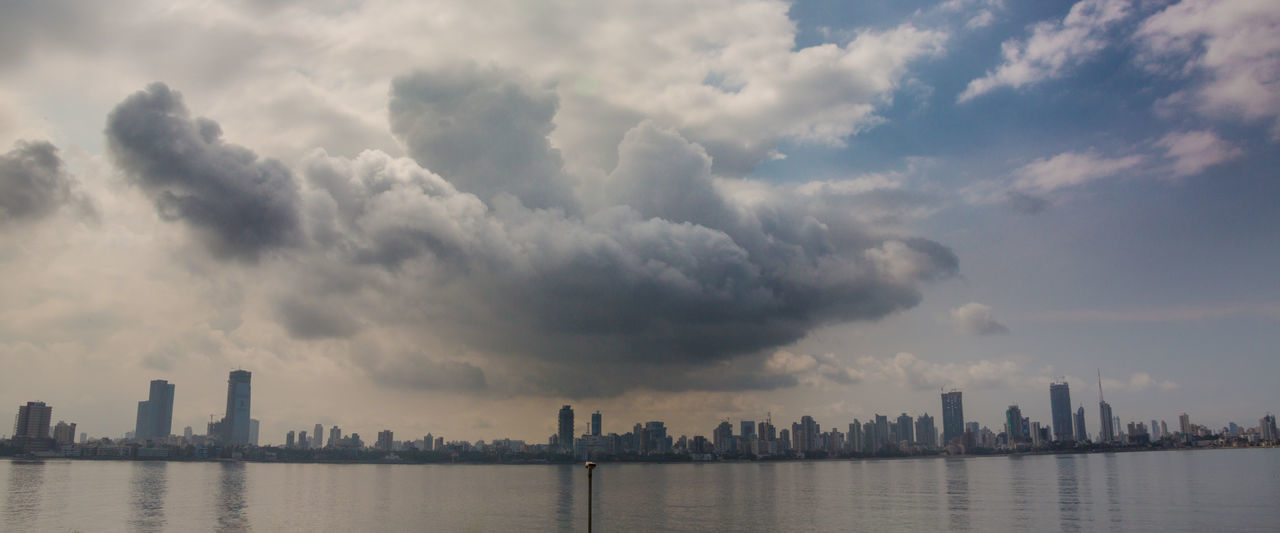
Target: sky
pixel 455 217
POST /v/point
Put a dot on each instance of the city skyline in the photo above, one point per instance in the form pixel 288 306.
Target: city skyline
pixel 469 216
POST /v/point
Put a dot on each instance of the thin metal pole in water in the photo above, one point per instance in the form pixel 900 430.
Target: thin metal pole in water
pixel 590 468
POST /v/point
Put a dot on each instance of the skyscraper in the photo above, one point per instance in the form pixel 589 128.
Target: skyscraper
pixel 155 414
pixel 385 438
pixel 1106 430
pixel 253 431
pixel 1060 404
pixel 882 431
pixel 1013 425
pixel 952 416
pixel 1184 424
pixel 1081 435
pixel 905 432
pixel 565 432
pixel 235 425
pixel 317 437
pixel 595 424
pixel 1267 428
pixel 925 432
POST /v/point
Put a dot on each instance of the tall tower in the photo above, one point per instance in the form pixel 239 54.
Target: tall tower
pixel 1106 431
pixel 1081 435
pixel 1013 425
pixel 565 433
pixel 235 425
pixel 595 424
pixel 155 414
pixel 952 416
pixel 1060 404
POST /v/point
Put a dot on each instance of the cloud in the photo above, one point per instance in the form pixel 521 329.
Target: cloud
pixel 33 182
pixel 485 130
pixel 1052 48
pixel 907 370
pixel 1139 382
pixel 1228 48
pixel 812 368
pixel 240 206
pixel 1194 151
pixel 1070 169
pixel 975 319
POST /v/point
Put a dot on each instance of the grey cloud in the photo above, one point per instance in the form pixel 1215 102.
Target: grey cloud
pixel 420 372
pixel 315 319
pixel 1025 204
pixel 241 206
pixel 975 319
pixel 33 181
pixel 483 129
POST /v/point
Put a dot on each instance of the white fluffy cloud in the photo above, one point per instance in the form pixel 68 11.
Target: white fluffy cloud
pixel 975 319
pixel 1070 169
pixel 1053 47
pixel 1194 151
pixel 1230 49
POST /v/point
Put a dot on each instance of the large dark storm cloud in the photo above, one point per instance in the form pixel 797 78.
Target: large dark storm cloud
pixel 33 181
pixel 503 279
pixel 242 206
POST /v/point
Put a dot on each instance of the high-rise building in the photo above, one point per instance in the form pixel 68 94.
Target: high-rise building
pixel 882 430
pixel 1106 427
pixel 317 437
pixel 303 442
pixel 335 436
pixel 905 433
pixel 1081 435
pixel 235 425
pixel 385 440
pixel 1267 428
pixel 428 442
pixel 806 435
pixel 925 432
pixel 64 433
pixel 288 439
pixel 253 431
pixel 952 416
pixel 1060 405
pixel 1184 424
pixel 870 439
pixel 595 424
pixel 748 428
pixel 1013 425
pixel 31 427
pixel 722 437
pixel 155 414
pixel 565 432
pixel 187 433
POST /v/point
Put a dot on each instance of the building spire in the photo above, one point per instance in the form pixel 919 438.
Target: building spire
pixel 1100 385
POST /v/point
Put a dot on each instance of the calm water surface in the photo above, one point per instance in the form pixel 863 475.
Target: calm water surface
pixel 1222 490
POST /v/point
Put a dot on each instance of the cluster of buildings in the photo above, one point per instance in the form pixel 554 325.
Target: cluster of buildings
pixel 904 434
pixel 901 435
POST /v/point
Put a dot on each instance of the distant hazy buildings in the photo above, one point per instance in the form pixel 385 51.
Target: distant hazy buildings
pixel 952 416
pixel 1106 429
pixel 235 425
pixel 926 435
pixel 155 414
pixel 253 431
pixel 595 424
pixel 1060 405
pixel 1267 428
